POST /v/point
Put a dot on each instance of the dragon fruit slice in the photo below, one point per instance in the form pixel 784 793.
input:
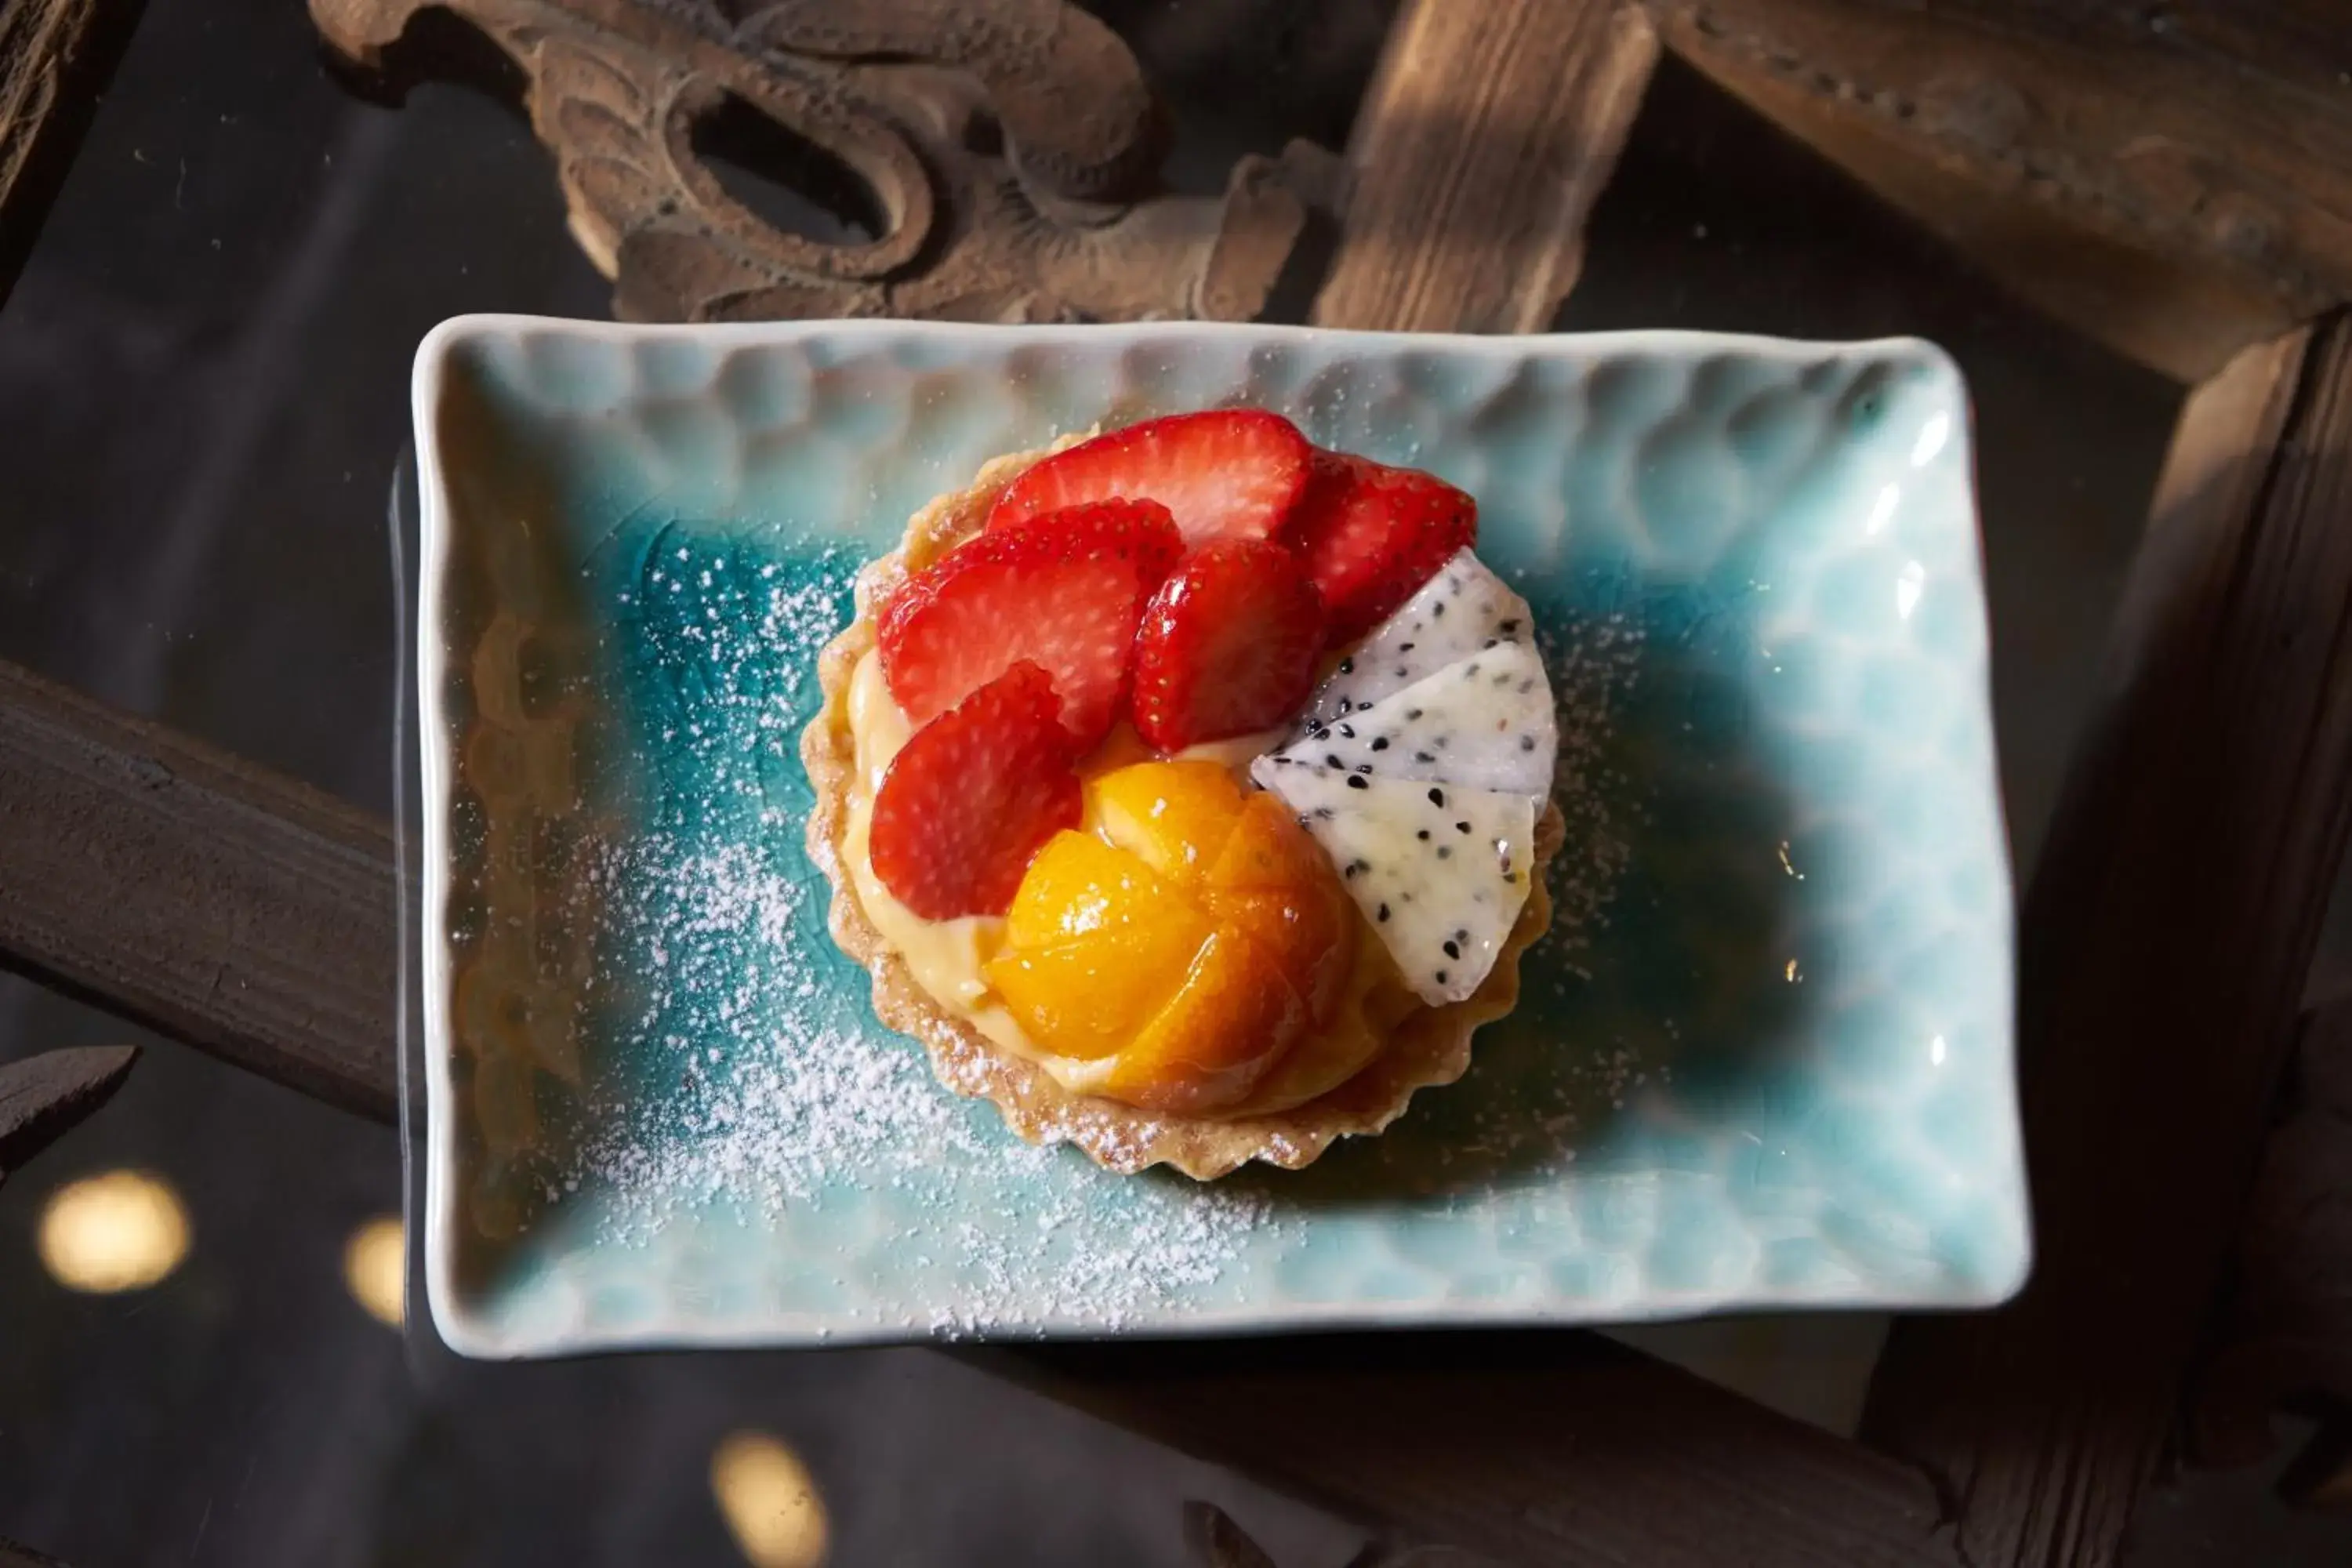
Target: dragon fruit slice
pixel 1459 611
pixel 1484 723
pixel 1440 873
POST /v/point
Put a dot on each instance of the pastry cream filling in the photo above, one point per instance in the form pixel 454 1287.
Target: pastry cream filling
pixel 945 957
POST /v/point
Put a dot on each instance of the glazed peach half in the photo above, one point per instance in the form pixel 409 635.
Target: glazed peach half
pixel 1181 948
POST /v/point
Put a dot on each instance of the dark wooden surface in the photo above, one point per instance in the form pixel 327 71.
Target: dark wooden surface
pixel 42 1098
pixel 2175 179
pixel 212 901
pixel 2285 1334
pixel 1486 135
pixel 2164 944
pixel 252 917
pixel 1532 1448
pixel 91 778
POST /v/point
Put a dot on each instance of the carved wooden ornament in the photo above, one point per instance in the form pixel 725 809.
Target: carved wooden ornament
pixel 1011 148
pixel 44 1096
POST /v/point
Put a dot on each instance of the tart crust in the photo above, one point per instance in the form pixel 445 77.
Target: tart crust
pixel 1429 1048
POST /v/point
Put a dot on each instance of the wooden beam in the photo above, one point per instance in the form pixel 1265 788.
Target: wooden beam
pixel 1556 1449
pixel 2285 1335
pixel 1488 133
pixel 211 900
pixel 2174 180
pixel 54 58
pixel 2163 945
pixel 42 1098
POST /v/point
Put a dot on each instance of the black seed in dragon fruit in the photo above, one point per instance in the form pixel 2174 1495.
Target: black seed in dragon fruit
pixel 1462 610
pixel 1440 873
pixel 1484 721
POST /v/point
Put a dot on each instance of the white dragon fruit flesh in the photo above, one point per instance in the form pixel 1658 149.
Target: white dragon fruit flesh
pixel 1462 610
pixel 1440 871
pixel 1484 721
pixel 1422 767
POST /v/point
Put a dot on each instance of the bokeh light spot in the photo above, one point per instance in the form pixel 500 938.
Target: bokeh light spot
pixel 118 1230
pixel 373 1260
pixel 769 1500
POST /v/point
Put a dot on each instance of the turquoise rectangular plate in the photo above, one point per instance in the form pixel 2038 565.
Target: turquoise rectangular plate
pixel 1763 1060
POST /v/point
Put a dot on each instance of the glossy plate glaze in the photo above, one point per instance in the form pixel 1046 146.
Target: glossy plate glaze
pixel 1764 1060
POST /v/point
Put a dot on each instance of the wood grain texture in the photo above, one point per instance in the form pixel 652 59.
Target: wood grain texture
pixel 1488 133
pixel 54 58
pixel 1216 1541
pixel 2285 1334
pixel 1556 1449
pixel 2175 180
pixel 44 1096
pixel 1000 157
pixel 210 900
pixel 2163 945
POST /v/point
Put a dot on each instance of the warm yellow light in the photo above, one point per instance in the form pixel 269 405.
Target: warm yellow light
pixel 121 1230
pixel 769 1500
pixel 373 1267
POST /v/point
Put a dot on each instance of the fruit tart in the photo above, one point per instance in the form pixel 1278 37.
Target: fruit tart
pixel 1186 791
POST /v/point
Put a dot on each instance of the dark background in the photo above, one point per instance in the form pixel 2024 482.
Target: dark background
pixel 203 391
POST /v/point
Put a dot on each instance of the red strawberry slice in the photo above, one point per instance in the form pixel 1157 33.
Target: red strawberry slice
pixel 1228 645
pixel 1370 535
pixel 1064 591
pixel 1226 473
pixel 972 796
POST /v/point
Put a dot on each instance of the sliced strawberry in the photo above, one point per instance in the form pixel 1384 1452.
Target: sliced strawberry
pixel 1372 534
pixel 1226 473
pixel 972 796
pixel 1228 645
pixel 1134 529
pixel 1064 591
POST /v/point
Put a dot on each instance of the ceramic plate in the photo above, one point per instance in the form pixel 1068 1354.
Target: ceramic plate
pixel 1764 1058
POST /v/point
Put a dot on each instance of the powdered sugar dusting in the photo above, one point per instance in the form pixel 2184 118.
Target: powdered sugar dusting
pixel 742 1077
pixel 1594 666
pixel 1597 665
pixel 739 1079
pixel 767 1117
pixel 748 1083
